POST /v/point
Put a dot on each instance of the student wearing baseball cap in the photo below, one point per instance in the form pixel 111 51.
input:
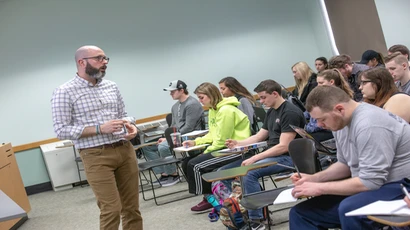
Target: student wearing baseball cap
pixel 372 59
pixel 187 116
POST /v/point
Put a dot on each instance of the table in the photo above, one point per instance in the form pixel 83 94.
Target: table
pixel 9 210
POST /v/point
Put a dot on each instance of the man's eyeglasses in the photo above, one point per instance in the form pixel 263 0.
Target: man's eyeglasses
pixel 99 58
pixel 364 82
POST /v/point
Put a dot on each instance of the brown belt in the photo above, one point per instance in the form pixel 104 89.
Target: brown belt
pixel 112 145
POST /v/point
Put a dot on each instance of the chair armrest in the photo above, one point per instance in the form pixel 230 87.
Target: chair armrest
pixel 261 199
pixel 136 147
pixel 396 221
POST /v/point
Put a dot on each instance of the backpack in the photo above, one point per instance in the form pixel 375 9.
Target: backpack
pixel 232 213
pixel 220 191
pixel 288 96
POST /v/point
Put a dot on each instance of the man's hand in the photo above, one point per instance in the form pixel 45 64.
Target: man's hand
pixel 407 200
pixel 307 189
pixel 296 180
pixel 231 143
pixel 249 161
pixel 131 131
pixel 113 126
pixel 161 140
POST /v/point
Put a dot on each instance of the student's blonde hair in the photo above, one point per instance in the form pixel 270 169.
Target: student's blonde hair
pixel 211 91
pixel 305 72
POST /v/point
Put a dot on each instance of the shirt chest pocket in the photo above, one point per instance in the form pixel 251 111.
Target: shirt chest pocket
pixel 109 102
pixel 87 106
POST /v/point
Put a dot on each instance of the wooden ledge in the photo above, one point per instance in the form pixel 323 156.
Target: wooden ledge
pixel 37 144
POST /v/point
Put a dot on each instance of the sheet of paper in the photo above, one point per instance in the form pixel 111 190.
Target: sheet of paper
pixel 395 207
pixel 195 133
pixel 285 197
pixel 184 149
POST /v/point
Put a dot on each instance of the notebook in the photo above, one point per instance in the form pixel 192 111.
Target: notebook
pixel 328 146
pixel 395 207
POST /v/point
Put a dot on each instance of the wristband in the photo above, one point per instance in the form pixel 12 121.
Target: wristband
pixel 97 129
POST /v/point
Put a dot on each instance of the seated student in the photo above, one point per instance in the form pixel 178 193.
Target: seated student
pixel 373 150
pixel 402 49
pixel 225 121
pixel 398 67
pixel 378 89
pixel 350 71
pixel 327 77
pixel 230 87
pixel 305 80
pixel 321 64
pixel 187 115
pixel 278 133
pixel 372 59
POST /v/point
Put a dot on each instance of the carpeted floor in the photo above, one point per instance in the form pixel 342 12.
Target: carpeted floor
pixel 76 209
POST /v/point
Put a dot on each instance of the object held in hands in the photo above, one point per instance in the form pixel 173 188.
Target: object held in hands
pixel 122 131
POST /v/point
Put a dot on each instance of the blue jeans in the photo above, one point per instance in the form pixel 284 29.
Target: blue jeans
pixel 251 180
pixel 154 152
pixel 328 211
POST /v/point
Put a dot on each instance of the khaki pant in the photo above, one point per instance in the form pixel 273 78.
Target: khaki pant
pixel 113 176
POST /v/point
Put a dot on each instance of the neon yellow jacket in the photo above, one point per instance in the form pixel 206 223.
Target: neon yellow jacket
pixel 226 122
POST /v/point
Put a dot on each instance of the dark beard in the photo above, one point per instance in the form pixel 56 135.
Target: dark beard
pixel 94 72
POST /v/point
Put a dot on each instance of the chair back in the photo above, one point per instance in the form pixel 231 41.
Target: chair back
pixel 304 155
pixel 167 134
pixel 203 122
pixel 168 118
pixel 260 114
pixel 255 126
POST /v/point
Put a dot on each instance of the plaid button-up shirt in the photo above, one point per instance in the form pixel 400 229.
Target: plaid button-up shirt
pixel 78 104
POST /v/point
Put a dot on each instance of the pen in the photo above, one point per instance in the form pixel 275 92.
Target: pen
pixel 296 167
pixel 403 188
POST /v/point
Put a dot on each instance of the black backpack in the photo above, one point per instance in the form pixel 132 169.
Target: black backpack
pixel 292 99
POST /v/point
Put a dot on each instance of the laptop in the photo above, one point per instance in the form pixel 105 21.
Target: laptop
pixel 328 146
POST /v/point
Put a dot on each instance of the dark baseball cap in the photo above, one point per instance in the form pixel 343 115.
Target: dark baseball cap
pixel 368 55
pixel 176 84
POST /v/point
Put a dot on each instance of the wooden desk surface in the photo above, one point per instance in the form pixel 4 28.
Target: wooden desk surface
pixel 196 147
pixel 233 172
pixel 396 221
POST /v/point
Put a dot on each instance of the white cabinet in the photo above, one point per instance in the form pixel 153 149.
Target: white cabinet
pixel 60 162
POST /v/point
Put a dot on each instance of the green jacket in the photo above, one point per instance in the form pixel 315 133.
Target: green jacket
pixel 226 122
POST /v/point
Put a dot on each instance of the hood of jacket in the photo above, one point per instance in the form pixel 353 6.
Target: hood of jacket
pixel 228 101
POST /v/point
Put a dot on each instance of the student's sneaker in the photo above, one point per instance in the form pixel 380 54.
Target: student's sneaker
pixel 202 206
pixel 161 181
pixel 257 226
pixel 171 181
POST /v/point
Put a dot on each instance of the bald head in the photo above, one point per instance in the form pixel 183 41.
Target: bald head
pixel 85 51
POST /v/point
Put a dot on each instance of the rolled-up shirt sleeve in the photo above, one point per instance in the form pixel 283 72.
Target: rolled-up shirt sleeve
pixel 62 108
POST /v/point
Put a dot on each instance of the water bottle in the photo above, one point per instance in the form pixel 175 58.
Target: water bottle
pixel 212 200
